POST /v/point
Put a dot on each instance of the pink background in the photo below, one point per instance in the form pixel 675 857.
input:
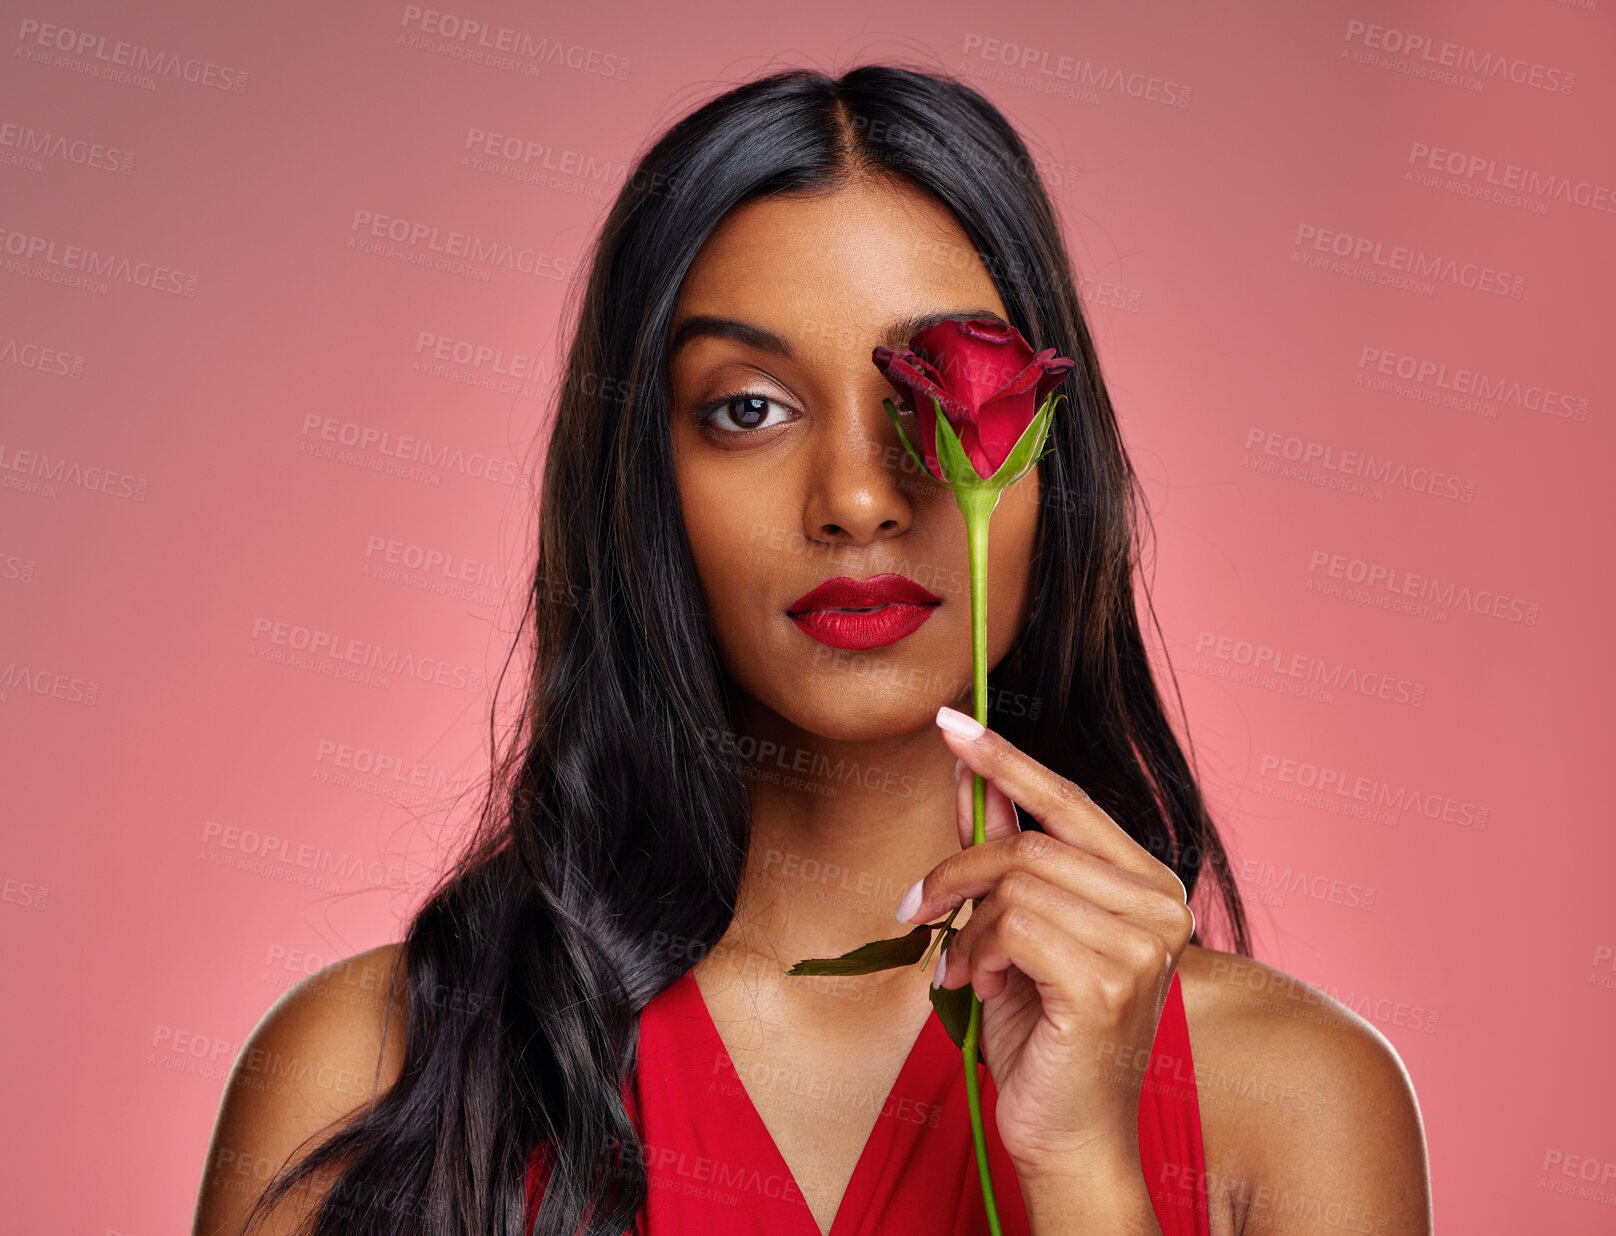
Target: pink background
pixel 197 813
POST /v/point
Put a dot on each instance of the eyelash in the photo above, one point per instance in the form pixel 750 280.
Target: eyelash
pixel 704 414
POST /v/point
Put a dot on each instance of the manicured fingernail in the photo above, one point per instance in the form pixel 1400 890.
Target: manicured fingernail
pixel 958 764
pixel 910 903
pixel 958 723
pixel 942 960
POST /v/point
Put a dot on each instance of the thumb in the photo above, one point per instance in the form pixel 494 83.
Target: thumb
pixel 999 813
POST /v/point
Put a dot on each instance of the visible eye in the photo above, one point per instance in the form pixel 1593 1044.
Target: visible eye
pixel 747 410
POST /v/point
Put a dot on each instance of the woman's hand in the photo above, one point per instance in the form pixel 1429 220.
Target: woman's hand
pixel 1071 950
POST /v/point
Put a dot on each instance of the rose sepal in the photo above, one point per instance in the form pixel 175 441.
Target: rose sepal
pixel 958 471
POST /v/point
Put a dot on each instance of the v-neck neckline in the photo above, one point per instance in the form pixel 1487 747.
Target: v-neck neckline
pixel 921 1047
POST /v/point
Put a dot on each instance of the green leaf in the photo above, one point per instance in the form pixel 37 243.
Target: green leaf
pixel 876 955
pixel 892 415
pixel 953 1007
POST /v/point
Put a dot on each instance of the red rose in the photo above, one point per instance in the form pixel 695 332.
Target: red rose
pixel 985 376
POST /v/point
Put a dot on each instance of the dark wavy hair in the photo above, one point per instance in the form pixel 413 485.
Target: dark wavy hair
pixel 608 851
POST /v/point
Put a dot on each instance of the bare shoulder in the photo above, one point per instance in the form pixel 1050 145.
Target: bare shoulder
pixel 1309 1118
pixel 324 1049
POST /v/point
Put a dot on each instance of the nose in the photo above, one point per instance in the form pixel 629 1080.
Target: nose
pixel 855 495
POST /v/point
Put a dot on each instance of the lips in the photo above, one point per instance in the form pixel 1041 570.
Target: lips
pixel 888 588
pixel 863 613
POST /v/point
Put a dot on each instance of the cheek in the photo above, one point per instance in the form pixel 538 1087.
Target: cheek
pixel 730 535
pixel 717 544
pixel 701 531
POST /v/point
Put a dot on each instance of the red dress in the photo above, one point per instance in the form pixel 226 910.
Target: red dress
pixel 715 1171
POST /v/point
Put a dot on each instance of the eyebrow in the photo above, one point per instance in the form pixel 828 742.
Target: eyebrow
pixel 897 334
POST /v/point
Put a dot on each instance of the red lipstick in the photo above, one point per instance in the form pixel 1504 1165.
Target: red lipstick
pixel 863 613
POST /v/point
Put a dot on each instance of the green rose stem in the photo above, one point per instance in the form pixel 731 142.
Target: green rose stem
pixel 976 497
pixel 977 504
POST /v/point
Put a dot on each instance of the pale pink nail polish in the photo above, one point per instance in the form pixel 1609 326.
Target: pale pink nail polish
pixel 910 902
pixel 958 723
pixel 942 960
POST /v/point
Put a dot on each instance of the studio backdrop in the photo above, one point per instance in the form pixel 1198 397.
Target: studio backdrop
pixel 283 294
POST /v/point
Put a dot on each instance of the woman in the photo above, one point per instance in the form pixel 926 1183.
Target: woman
pixel 712 783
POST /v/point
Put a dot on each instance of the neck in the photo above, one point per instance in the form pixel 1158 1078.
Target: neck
pixel 840 830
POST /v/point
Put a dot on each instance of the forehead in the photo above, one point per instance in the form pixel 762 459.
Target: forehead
pixel 855 258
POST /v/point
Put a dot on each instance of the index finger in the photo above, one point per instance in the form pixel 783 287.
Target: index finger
pixel 1062 806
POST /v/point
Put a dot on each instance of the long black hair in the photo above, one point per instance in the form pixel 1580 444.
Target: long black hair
pixel 609 848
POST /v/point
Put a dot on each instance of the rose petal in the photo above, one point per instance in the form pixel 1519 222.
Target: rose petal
pixel 1002 419
pixel 985 376
pixel 974 358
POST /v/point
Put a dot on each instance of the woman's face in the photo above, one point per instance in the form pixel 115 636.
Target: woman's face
pixel 804 479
